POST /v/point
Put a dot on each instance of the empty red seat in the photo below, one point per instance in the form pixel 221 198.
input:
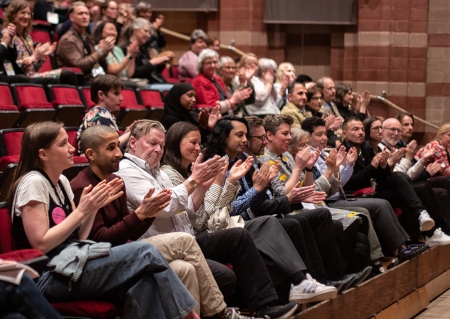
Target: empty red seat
pixel 152 100
pixel 9 113
pixel 66 100
pixel 33 104
pixel 40 36
pixel 85 93
pixel 130 109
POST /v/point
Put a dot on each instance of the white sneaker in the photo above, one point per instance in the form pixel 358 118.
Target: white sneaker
pixel 439 238
pixel 234 314
pixel 309 290
pixel 425 221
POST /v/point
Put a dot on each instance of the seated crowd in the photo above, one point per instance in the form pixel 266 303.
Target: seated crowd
pixel 283 191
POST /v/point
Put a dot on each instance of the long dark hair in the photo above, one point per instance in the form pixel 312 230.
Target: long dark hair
pixel 218 137
pixel 367 124
pixel 99 30
pixel 172 154
pixel 36 136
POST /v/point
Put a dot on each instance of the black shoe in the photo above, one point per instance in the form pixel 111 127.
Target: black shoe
pixel 348 281
pixel 338 284
pixel 394 262
pixel 409 253
pixel 362 275
pixel 377 270
pixel 278 312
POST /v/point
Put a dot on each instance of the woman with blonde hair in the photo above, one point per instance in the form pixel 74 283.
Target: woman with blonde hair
pixel 285 76
pixel 441 144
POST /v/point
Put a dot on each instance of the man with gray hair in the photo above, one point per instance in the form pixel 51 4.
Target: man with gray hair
pixel 187 64
pixel 76 47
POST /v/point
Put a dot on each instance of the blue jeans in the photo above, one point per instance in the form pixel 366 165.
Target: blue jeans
pixel 134 274
pixel 24 301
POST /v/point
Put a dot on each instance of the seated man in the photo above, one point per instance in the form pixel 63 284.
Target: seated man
pixel 394 187
pixel 140 171
pixel 76 47
pixel 187 64
pixel 115 224
pixel 296 107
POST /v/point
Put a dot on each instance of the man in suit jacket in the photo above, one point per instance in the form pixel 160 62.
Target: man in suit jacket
pixel 297 104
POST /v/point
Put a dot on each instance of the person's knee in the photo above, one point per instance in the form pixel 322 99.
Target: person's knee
pixel 182 269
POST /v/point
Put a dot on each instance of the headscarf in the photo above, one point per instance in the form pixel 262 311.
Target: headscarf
pixel 172 104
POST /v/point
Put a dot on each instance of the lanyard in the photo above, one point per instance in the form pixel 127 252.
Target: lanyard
pixel 65 202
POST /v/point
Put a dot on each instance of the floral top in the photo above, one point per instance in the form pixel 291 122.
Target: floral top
pixel 440 155
pixel 97 115
pixel 27 63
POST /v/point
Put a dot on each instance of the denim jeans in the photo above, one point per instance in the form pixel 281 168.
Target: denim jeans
pixel 134 274
pixel 24 301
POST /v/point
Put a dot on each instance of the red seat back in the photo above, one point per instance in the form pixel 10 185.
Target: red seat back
pixel 151 98
pixel 6 243
pixel 65 95
pixel 40 36
pixel 11 140
pixel 6 100
pixel 31 96
pixel 86 91
pixel 129 100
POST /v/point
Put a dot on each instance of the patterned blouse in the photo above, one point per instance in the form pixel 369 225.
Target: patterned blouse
pixel 440 155
pixel 27 63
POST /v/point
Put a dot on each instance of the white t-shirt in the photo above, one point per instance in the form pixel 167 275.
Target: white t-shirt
pixel 35 187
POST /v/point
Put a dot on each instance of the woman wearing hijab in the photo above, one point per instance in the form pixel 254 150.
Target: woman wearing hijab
pixel 179 105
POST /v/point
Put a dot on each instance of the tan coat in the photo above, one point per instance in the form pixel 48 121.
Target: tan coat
pixel 294 112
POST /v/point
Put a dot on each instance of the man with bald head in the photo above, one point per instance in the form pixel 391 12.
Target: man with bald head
pixel 114 223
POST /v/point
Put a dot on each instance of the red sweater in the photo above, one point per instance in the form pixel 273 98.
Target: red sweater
pixel 113 223
pixel 207 93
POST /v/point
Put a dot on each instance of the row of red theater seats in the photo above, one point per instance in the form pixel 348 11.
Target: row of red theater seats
pixel 23 104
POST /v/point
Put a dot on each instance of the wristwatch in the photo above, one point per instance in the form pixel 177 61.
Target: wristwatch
pixel 192 182
pixel 129 56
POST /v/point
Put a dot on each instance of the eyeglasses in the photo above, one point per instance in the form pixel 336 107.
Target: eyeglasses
pixel 316 98
pixel 260 137
pixel 211 62
pixel 229 67
pixel 303 145
pixel 376 128
pixel 393 130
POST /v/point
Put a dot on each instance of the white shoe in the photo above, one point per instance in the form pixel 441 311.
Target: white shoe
pixel 309 290
pixel 439 238
pixel 234 314
pixel 425 221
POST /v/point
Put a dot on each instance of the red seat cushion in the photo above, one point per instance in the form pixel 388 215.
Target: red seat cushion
pixel 8 107
pixel 21 255
pixel 13 142
pixel 6 160
pixel 90 309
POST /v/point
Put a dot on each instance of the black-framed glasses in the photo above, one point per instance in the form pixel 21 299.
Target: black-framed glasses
pixel 376 128
pixel 260 137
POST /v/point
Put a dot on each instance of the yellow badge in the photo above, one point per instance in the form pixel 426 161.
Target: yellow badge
pixel 283 177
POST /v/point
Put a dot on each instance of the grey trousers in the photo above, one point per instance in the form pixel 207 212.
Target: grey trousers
pixel 386 223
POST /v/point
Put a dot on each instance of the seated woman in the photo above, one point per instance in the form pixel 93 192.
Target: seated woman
pixel 277 250
pixel 346 106
pixel 285 76
pixel 227 72
pixel 441 144
pixel 105 93
pixel 118 64
pixel 29 58
pixel 145 67
pixel 179 106
pixel 211 89
pixel 46 218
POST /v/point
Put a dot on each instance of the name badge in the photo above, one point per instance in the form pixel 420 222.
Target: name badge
pixel 9 68
pixel 52 18
pixel 97 70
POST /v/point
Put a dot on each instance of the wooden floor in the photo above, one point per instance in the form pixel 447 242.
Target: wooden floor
pixel 401 293
pixel 438 308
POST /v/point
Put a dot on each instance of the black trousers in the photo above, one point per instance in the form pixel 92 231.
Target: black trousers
pixel 235 246
pixel 322 226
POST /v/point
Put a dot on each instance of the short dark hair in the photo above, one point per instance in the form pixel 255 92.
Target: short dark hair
pixel 76 4
pixel 367 124
pixel 311 92
pixel 92 137
pixel 253 122
pixel 403 114
pixel 309 124
pixel 348 120
pixel 272 122
pixel 303 78
pixel 104 83
pixel 341 90
pixel 292 86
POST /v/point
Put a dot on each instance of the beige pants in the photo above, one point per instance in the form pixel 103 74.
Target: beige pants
pixel 186 259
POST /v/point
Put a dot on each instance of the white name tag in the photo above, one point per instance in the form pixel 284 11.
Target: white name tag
pixel 52 18
pixel 9 68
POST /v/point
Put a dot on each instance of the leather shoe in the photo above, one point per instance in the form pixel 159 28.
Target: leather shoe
pixel 347 281
pixel 362 275
pixel 338 284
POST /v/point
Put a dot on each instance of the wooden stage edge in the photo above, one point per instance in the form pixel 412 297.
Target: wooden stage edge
pixel 401 293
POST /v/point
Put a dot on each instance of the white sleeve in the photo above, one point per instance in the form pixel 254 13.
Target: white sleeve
pixel 31 188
